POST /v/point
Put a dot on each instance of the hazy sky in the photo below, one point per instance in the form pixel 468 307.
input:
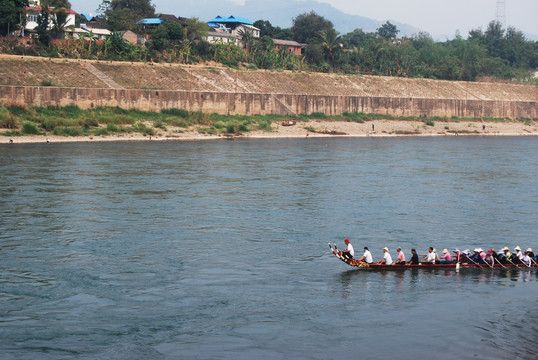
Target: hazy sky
pixel 433 16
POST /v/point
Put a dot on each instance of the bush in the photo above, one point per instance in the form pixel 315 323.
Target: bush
pixel 230 128
pixel 159 124
pixel 317 115
pixel 68 131
pixel 29 128
pixel 265 125
pixel 90 122
pixel 176 112
pixel 46 82
pixel 7 120
pixel 112 128
pixel 429 122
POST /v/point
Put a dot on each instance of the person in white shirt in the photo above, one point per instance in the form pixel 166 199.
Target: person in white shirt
pixel 387 259
pixel 430 257
pixel 525 259
pixel 349 252
pixel 367 256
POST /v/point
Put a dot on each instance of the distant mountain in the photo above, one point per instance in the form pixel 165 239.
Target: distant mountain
pixel 280 13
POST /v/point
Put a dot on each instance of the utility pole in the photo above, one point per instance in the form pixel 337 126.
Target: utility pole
pixel 500 12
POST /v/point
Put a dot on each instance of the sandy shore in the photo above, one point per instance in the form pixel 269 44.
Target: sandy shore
pixel 323 128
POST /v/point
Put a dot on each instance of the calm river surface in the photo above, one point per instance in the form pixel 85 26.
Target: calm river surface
pixel 218 249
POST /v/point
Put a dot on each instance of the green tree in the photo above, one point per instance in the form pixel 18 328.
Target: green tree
pixel 196 29
pixel 307 27
pixel 247 38
pixel 266 29
pixel 388 31
pixel 330 43
pixel 357 38
pixel 282 34
pixel 123 14
pixel 10 14
pixel 166 35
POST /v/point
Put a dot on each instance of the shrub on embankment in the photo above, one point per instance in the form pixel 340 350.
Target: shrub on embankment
pixel 73 121
pixel 101 121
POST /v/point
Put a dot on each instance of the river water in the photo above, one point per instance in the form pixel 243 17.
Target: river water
pixel 218 249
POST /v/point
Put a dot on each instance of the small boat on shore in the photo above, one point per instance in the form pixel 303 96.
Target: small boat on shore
pixel 289 123
pixel 424 266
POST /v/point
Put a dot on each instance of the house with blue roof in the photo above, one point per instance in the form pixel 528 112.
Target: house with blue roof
pixel 228 29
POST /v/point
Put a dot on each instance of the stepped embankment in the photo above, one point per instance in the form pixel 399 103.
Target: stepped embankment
pixel 213 89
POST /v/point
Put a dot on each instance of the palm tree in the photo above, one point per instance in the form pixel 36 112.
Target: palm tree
pixel 330 43
pixel 247 38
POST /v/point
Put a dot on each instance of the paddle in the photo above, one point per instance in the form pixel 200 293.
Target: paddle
pixel 498 262
pixel 474 262
pixel 511 262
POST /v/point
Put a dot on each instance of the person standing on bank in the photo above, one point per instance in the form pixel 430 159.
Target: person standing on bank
pixel 349 252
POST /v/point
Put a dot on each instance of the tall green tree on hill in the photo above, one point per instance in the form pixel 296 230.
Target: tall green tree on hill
pixel 388 31
pixel 307 27
pixel 10 14
pixel 123 14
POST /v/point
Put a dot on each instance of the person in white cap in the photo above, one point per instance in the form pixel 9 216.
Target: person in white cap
pixel 530 253
pixel 387 259
pixel 505 255
pixel 518 252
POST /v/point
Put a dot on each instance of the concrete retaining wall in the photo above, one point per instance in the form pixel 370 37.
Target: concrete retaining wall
pixel 252 104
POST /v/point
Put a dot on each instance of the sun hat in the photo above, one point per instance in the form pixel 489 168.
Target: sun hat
pixel 529 250
pixel 456 250
pixel 445 251
pixel 476 250
pixel 517 248
pixel 386 248
pixel 505 249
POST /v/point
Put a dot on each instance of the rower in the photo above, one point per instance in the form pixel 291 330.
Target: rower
pixel 505 255
pixel 446 258
pixel 367 256
pixel 349 252
pixel 414 258
pixel 429 258
pixel 387 259
pixel 400 260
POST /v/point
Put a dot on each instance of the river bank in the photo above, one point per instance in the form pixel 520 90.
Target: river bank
pixel 312 129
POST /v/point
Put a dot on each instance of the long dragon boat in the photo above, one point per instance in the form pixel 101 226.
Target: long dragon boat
pixel 374 266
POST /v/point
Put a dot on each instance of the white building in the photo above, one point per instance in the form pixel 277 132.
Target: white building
pixel 32 15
